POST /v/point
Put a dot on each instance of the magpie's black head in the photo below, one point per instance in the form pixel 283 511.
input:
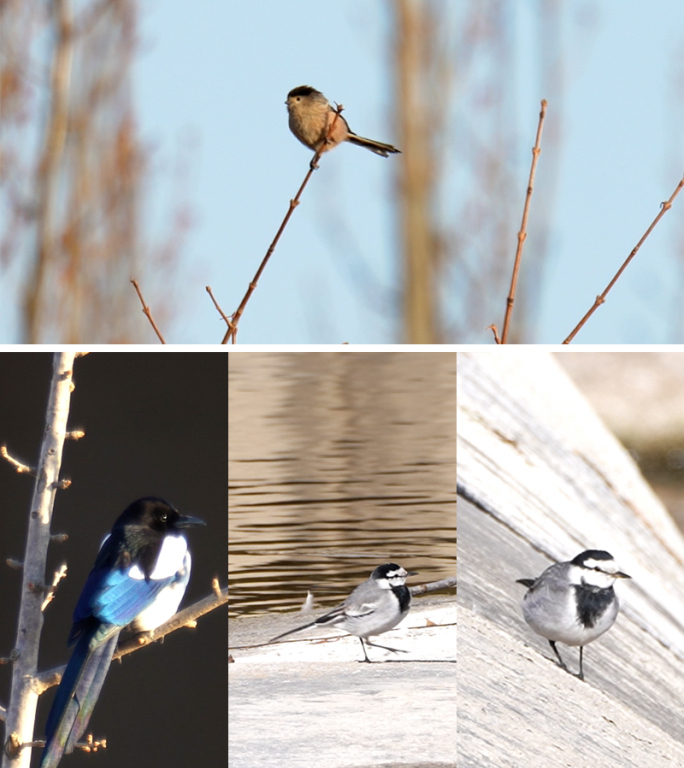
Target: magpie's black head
pixel 154 514
pixel 138 534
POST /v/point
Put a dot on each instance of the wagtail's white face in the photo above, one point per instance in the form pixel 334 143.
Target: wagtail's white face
pixel 595 568
pixel 390 575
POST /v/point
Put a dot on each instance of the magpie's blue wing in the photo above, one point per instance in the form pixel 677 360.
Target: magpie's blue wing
pixel 115 597
pixel 118 589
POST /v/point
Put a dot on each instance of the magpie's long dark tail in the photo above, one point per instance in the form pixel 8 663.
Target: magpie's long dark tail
pixel 76 696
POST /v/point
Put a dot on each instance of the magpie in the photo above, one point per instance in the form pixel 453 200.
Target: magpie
pixel 138 580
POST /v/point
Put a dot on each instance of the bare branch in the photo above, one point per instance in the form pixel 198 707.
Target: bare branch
pixel 231 333
pixel 522 234
pixel 147 311
pixel 50 592
pixel 13 746
pixel 183 618
pixel 21 712
pixel 421 589
pixel 664 207
pixel 216 587
pixel 22 469
pixel 225 317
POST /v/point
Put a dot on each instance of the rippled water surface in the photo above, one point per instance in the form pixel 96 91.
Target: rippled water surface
pixel 338 462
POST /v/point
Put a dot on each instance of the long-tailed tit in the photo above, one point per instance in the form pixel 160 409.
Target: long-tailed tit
pixel 311 116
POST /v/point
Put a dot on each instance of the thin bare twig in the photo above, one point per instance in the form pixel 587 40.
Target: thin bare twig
pixel 664 207
pixel 217 588
pixel 231 333
pixel 434 586
pixel 89 745
pixel 147 311
pixel 522 234
pixel 229 322
pixel 50 591
pixel 22 469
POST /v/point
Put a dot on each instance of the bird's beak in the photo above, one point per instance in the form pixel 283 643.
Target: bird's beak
pixel 412 573
pixel 621 575
pixel 185 521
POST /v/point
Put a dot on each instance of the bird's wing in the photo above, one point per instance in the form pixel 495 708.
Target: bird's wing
pixel 115 597
pixel 360 610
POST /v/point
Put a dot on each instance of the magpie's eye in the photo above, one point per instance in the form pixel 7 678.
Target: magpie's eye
pixel 163 517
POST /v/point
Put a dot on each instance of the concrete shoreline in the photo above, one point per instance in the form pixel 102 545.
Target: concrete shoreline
pixel 288 711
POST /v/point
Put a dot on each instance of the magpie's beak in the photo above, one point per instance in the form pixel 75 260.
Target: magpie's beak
pixel 186 521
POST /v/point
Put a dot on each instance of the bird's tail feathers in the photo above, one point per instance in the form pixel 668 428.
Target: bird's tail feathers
pixel 375 146
pixel 292 631
pixel 76 696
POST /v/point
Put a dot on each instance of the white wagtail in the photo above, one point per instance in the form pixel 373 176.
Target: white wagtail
pixel 374 607
pixel 573 602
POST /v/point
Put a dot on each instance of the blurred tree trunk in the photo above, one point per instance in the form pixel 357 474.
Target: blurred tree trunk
pixel 72 169
pixel 422 88
pixel 460 128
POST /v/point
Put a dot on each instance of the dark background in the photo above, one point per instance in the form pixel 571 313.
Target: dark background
pixel 155 424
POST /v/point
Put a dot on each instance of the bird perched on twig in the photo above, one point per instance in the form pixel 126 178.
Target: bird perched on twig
pixel 311 117
pixel 138 580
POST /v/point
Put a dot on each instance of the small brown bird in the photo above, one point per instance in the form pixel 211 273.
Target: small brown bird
pixel 311 116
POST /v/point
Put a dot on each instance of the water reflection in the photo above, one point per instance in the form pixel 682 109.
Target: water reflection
pixel 338 462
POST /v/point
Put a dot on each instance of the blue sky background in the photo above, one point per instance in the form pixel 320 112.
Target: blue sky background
pixel 210 84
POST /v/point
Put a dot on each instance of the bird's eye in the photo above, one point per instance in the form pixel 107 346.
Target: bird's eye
pixel 163 517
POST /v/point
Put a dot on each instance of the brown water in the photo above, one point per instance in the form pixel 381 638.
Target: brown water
pixel 338 462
